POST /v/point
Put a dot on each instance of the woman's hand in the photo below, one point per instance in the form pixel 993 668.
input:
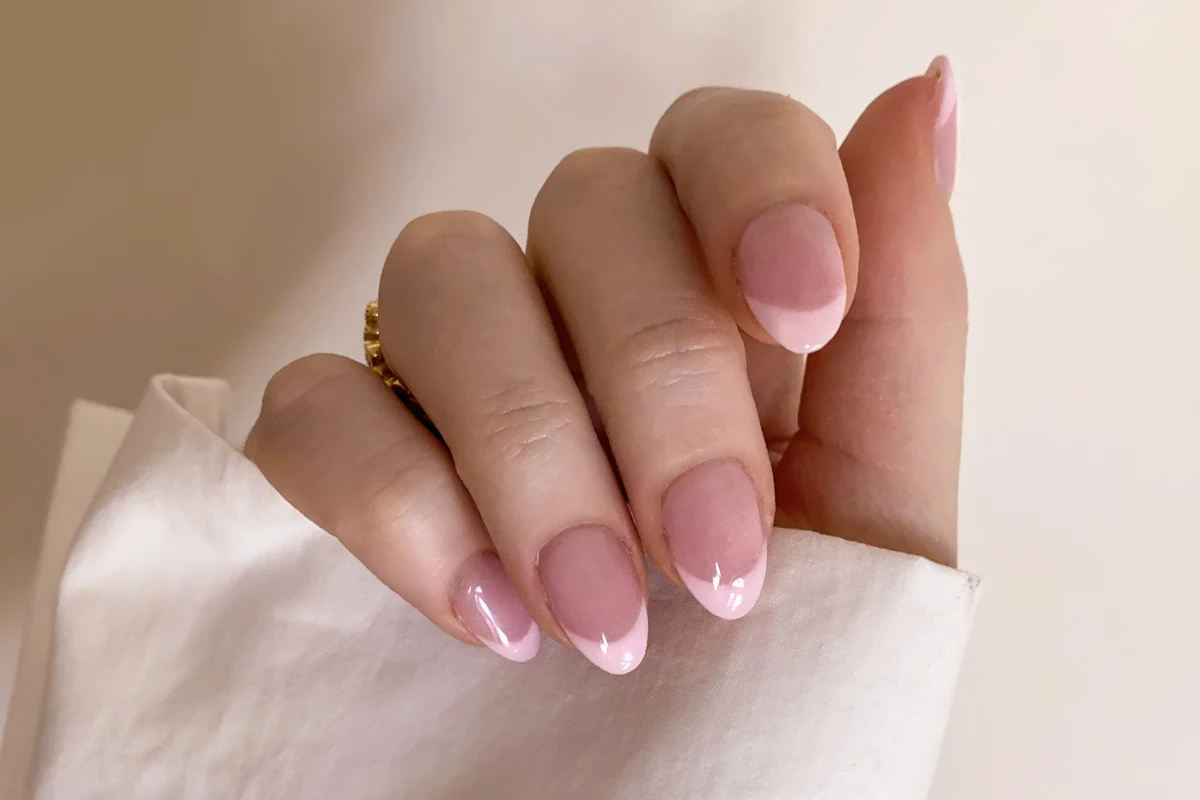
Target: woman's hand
pixel 632 383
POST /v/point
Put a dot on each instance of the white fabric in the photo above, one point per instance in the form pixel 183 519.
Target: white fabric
pixel 94 434
pixel 212 643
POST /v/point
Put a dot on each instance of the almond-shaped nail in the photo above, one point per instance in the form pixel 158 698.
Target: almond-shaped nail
pixel 790 270
pixel 715 532
pixel 594 591
pixel 488 604
pixel 945 123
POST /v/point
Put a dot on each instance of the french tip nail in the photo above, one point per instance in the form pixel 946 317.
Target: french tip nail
pixel 714 528
pixel 732 600
pixel 594 591
pixel 792 276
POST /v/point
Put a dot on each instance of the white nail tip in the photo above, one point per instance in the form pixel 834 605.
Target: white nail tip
pixel 621 655
pixel 731 600
pixel 800 331
pixel 520 651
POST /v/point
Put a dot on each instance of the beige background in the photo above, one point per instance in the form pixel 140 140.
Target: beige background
pixel 210 187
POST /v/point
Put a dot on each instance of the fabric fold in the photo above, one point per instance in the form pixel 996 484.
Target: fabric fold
pixel 212 642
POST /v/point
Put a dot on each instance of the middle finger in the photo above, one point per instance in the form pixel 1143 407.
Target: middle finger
pixel 664 362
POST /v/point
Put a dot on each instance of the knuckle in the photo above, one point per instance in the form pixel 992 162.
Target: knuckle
pixel 680 352
pixel 443 237
pixel 779 116
pixel 698 100
pixel 523 420
pixel 300 381
pixel 587 171
pixel 585 182
pixel 698 95
pixel 718 118
pixel 821 131
pixel 328 453
pixel 393 489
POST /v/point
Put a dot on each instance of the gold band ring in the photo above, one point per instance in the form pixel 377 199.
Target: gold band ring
pixel 377 362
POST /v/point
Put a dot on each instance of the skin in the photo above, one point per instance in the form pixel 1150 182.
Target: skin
pixel 630 283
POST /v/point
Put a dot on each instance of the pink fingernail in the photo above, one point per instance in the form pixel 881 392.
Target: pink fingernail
pixel 488 604
pixel 595 593
pixel 715 533
pixel 945 125
pixel 790 269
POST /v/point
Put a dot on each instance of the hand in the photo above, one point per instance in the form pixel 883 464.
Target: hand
pixel 632 383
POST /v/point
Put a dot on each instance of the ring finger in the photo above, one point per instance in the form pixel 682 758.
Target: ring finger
pixel 462 321
pixel 338 445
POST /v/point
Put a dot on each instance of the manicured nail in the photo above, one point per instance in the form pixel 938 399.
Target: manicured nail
pixel 790 269
pixel 715 533
pixel 945 125
pixel 595 593
pixel 488 604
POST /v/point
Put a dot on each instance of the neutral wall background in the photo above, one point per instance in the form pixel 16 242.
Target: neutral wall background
pixel 210 187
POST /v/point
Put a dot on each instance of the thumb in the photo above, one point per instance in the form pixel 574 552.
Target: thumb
pixel 880 421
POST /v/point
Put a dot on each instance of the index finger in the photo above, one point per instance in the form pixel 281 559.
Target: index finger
pixel 759 176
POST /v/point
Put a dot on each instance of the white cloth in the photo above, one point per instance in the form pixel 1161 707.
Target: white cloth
pixel 212 643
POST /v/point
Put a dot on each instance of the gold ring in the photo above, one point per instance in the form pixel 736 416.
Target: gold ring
pixel 378 364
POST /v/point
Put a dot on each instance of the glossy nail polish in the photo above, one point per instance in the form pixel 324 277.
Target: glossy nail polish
pixel 945 124
pixel 790 270
pixel 594 591
pixel 488 604
pixel 715 532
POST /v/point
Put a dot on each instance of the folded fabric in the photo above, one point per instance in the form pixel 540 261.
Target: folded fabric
pixel 212 643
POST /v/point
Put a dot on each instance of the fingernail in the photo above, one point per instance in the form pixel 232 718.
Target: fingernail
pixel 790 269
pixel 945 126
pixel 715 533
pixel 488 604
pixel 595 593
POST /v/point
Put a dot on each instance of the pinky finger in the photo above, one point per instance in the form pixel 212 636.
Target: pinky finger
pixel 335 442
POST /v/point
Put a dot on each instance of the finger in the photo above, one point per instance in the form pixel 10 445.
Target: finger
pixel 876 458
pixel 759 177
pixel 335 442
pixel 664 362
pixel 462 322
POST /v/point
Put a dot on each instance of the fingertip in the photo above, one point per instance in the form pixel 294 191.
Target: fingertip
pixel 759 178
pixel 945 125
pixel 914 123
pixel 899 164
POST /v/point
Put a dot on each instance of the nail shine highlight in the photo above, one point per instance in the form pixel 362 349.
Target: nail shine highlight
pixel 488 604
